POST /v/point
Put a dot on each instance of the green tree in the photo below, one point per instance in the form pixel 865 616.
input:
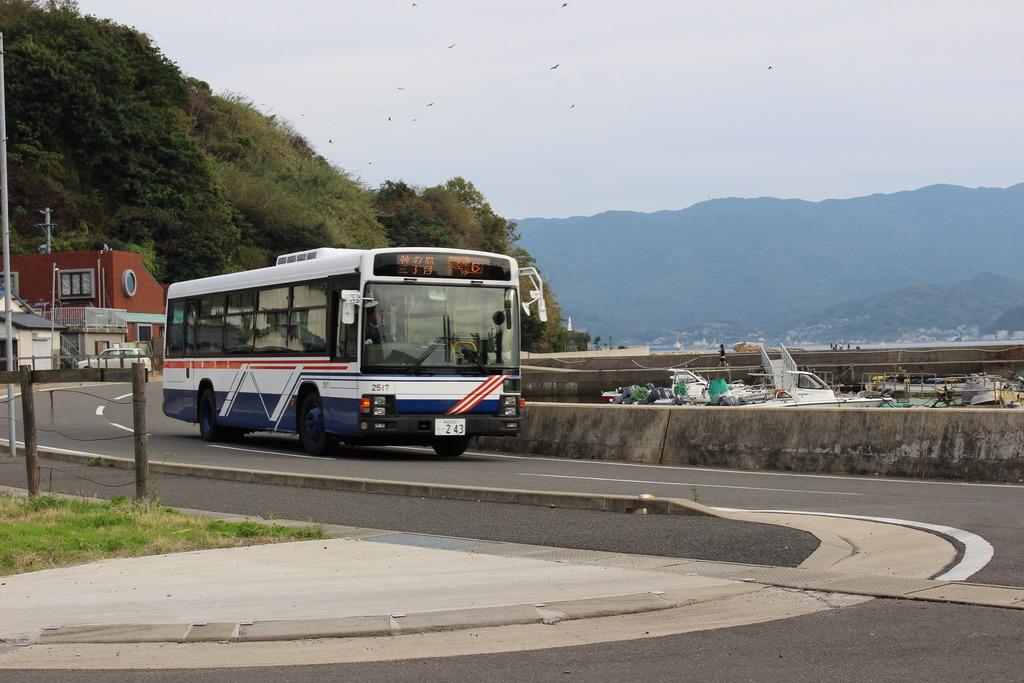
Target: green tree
pixel 96 116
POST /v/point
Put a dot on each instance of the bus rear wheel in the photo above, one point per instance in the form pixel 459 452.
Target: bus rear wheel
pixel 451 447
pixel 312 433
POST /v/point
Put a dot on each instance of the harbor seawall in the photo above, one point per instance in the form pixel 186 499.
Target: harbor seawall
pixel 974 444
pixel 554 379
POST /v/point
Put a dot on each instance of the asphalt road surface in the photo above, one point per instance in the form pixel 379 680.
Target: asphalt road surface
pixel 881 640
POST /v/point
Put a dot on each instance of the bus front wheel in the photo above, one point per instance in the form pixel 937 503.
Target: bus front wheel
pixel 451 447
pixel 314 437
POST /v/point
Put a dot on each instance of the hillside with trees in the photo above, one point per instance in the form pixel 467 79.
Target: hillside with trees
pixel 130 152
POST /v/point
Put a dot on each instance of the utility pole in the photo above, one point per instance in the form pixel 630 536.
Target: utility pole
pixel 48 226
pixel 12 432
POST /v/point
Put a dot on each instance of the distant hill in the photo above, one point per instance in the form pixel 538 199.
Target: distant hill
pixel 762 262
pixel 971 305
pixel 1011 321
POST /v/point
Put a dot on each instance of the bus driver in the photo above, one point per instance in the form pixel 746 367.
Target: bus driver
pixel 374 335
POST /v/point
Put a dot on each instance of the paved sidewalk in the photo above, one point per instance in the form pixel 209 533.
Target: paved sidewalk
pixel 371 582
pixel 442 595
pixel 331 588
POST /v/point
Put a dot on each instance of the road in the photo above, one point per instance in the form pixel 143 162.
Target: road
pixel 886 640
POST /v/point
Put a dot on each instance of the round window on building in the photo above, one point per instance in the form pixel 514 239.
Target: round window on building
pixel 129 282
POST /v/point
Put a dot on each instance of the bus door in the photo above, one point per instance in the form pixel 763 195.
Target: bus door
pixel 179 383
pixel 341 402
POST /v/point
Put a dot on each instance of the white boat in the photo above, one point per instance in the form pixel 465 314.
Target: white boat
pixel 802 389
pixel 696 387
pixel 987 390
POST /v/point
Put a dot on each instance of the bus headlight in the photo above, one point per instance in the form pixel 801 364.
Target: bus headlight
pixel 509 406
pixel 377 406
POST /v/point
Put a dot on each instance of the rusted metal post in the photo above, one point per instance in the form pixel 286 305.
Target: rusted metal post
pixel 28 416
pixel 141 431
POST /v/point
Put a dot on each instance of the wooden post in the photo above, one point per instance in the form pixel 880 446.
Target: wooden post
pixel 141 431
pixel 28 416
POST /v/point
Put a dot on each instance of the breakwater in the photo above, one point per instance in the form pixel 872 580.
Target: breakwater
pixel 972 444
pixel 583 380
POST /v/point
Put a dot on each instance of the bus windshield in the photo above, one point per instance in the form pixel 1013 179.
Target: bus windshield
pixel 422 326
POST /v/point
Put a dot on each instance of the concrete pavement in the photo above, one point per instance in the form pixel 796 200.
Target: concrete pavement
pixel 457 595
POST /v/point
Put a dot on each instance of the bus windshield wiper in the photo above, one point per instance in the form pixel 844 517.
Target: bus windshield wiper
pixel 426 354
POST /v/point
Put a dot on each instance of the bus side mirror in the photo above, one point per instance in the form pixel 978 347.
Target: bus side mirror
pixel 349 299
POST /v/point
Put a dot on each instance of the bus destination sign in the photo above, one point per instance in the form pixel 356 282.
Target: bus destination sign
pixel 442 265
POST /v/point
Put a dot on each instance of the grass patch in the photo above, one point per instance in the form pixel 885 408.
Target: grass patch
pixel 46 531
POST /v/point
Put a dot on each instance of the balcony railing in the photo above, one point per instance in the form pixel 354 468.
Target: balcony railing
pixel 88 318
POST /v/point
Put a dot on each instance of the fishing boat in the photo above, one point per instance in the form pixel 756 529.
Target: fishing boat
pixel 682 382
pixel 804 389
pixel 988 390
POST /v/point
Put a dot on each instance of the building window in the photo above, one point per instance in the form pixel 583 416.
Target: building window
pixel 14 283
pixel 129 283
pixel 76 284
pixel 145 333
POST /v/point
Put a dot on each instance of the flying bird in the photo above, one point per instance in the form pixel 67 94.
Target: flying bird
pixel 553 68
pixel 389 118
pixel 769 68
pixel 414 120
pixel 430 104
pixel 330 142
pixel 565 4
pixel 450 46
pixel 572 106
pixel 399 88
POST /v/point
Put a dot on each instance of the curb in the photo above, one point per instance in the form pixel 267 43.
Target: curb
pixel 368 626
pixel 643 505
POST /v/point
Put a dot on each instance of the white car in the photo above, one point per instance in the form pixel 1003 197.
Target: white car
pixel 117 358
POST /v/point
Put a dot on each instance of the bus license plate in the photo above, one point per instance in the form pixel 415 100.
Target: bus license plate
pixel 449 427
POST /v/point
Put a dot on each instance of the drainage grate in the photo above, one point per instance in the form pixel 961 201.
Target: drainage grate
pixel 425 541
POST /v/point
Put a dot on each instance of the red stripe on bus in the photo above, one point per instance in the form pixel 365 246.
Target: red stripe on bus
pixel 477 395
pixel 480 397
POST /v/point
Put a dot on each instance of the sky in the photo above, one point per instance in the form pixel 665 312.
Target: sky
pixel 654 105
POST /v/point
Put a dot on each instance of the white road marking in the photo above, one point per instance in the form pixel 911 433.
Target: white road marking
pixel 99 410
pixel 977 551
pixel 127 429
pixel 677 483
pixel 887 480
pixel 118 398
pixel 253 450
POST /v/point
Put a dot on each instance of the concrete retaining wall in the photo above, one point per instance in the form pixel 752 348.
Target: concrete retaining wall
pixel 975 444
pixel 585 379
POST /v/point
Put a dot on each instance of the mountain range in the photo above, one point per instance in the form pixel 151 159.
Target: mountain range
pixel 871 265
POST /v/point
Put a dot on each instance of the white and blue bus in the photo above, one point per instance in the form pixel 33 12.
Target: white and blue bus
pixel 380 346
